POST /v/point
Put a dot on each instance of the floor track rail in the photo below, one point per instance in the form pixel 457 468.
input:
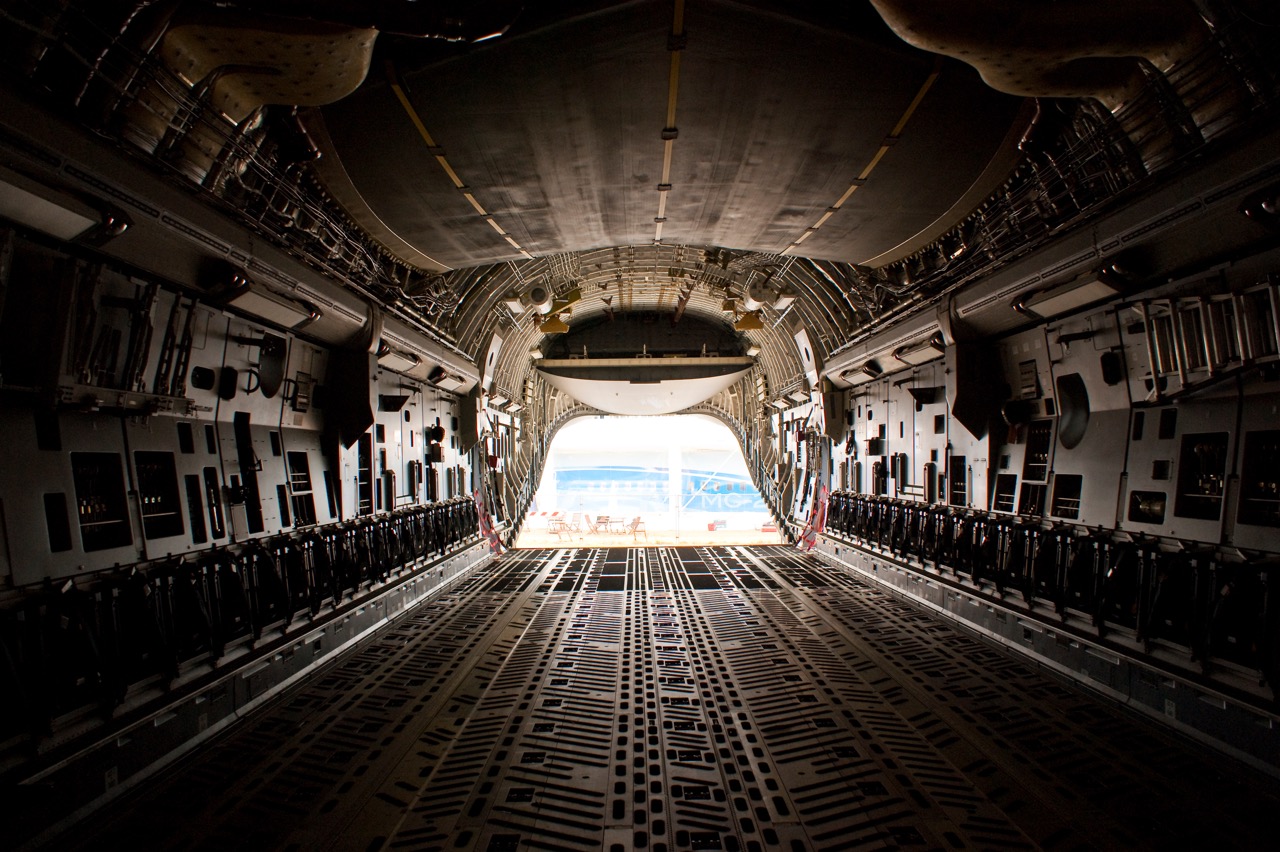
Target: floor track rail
pixel 689 698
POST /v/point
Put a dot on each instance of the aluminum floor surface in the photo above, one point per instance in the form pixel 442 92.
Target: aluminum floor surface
pixel 686 699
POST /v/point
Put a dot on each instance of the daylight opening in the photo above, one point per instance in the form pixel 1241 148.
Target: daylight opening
pixel 627 481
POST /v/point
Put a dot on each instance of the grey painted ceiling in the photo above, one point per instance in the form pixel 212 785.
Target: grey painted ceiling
pixel 555 130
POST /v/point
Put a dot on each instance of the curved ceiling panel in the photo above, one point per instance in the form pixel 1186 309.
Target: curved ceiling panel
pixel 765 132
pixel 647 397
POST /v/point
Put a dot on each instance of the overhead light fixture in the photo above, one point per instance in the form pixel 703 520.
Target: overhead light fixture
pixel 753 351
pixel 749 322
pixel 445 380
pixel 729 305
pixel 1263 206
pixel 535 352
pixel 254 299
pixel 799 396
pixel 784 299
pixel 863 373
pixel 780 404
pixel 514 407
pixel 921 352
pixel 401 362
pixel 498 401
pixel 513 302
pixel 44 209
pixel 58 214
pixel 1064 298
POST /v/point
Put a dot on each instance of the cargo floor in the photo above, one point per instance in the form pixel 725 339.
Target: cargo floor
pixel 685 698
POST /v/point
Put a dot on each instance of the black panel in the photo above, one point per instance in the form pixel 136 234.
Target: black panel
pixel 186 438
pixel 202 378
pixel 48 432
pixel 1147 507
pixel 1066 495
pixel 249 465
pixel 57 522
pixel 31 316
pixel 228 383
pixel 364 475
pixel 347 394
pixel 925 395
pixel 158 494
pixel 304 509
pixel 1202 468
pixel 1031 501
pixel 100 501
pixel 1035 462
pixel 213 493
pixel 1006 488
pixel 302 502
pixel 1112 367
pixel 958 487
pixel 1260 486
pixel 978 397
pixel 282 501
pixel 330 494
pixel 195 508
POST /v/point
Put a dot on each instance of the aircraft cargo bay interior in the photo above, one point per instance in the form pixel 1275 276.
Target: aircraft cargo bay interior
pixel 661 424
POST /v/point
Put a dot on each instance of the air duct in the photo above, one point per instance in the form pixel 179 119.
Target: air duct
pixel 922 352
pixel 249 297
pixel 539 298
pixel 757 295
pixel 400 362
pixel 863 373
pixel 41 208
pixel 1051 302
